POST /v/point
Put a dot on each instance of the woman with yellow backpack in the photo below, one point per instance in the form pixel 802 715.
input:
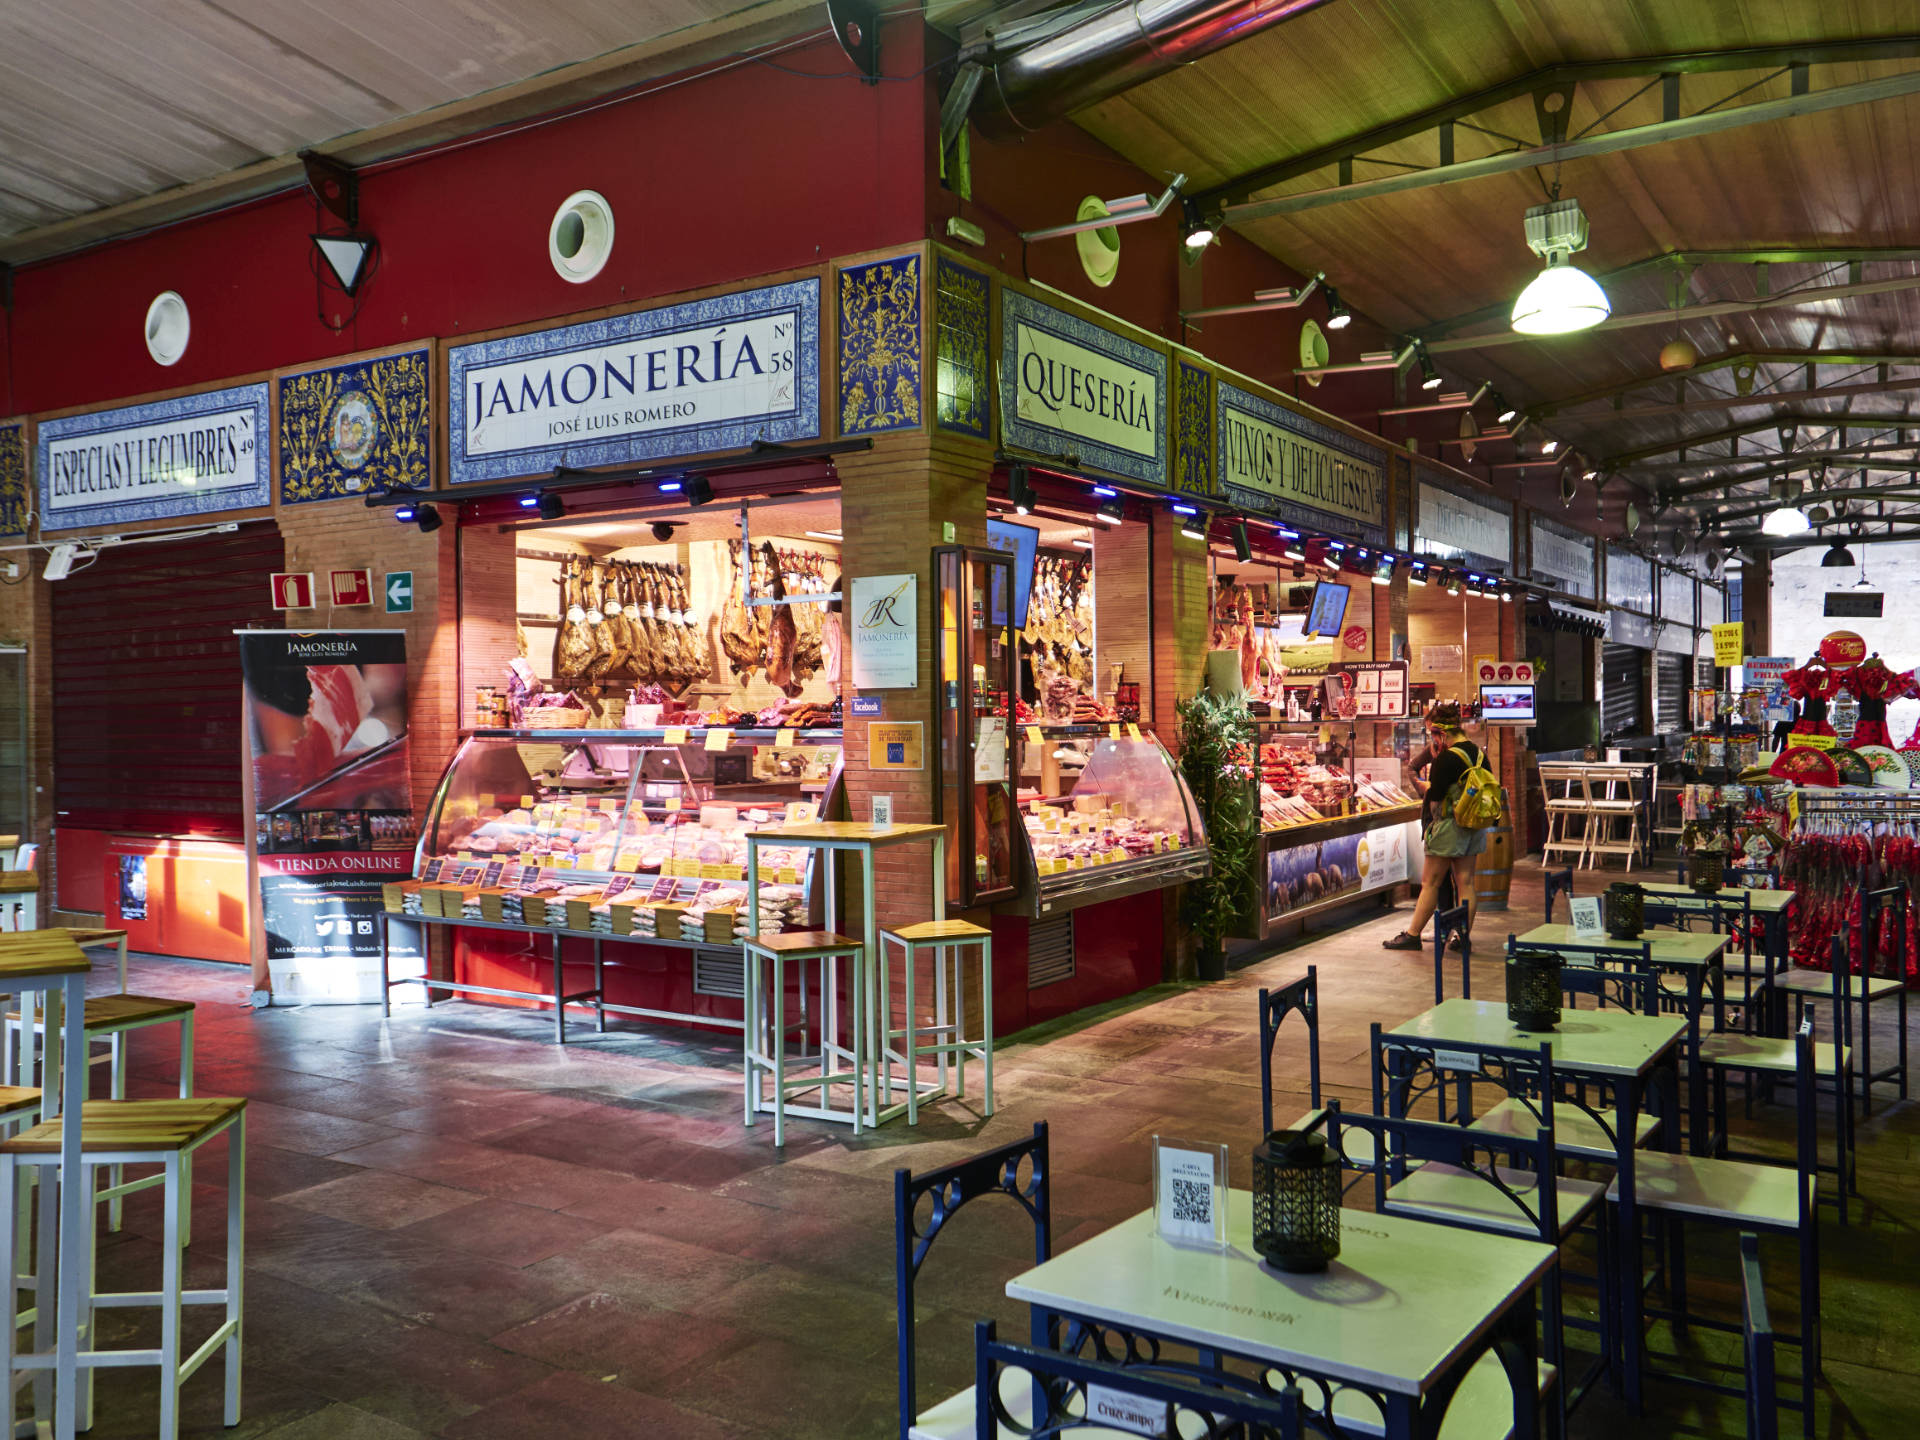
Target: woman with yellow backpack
pixel 1463 803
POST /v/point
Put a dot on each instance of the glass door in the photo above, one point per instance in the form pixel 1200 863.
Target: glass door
pixel 975 663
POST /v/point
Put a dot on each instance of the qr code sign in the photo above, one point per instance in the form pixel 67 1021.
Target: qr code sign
pixel 1192 1202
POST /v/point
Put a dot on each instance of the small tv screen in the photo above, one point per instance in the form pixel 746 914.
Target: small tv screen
pixel 1023 543
pixel 1506 704
pixel 1328 611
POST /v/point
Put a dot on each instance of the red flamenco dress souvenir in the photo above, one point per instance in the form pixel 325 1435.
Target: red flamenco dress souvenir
pixel 1813 685
pixel 1873 685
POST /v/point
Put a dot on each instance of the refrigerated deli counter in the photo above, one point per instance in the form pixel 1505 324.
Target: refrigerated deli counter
pixel 1330 836
pixel 567 838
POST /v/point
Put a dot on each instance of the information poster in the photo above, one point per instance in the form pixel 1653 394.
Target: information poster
pixel 333 814
pixel 886 632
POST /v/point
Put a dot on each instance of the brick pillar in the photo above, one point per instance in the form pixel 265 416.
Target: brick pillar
pixel 1179 622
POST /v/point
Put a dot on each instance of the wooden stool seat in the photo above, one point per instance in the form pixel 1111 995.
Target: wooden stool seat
pixel 941 930
pixel 126 1012
pixel 87 939
pixel 27 953
pixel 15 1100
pixel 794 943
pixel 12 881
pixel 156 1126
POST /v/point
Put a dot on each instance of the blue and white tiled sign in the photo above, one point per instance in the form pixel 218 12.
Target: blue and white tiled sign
pixel 689 379
pixel 192 455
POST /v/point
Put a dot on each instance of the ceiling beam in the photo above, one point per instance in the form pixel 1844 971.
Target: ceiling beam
pixel 1706 365
pixel 1761 541
pixel 1688 260
pixel 1813 295
pixel 1240 190
pixel 1613 142
pixel 1736 402
pixel 1849 420
pixel 1857 457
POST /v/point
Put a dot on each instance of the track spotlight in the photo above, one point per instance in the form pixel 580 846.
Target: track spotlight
pixel 1020 489
pixel 1383 573
pixel 1338 315
pixel 1105 492
pixel 1429 377
pixel 1196 231
pixel 551 506
pixel 1182 507
pixel 425 516
pixel 1242 545
pixel 1194 527
pixel 1112 512
pixel 1502 411
pixel 672 487
pixel 1417 575
pixel 663 530
pixel 698 490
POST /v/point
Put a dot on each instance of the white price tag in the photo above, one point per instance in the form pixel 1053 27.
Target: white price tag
pixel 1189 1187
pixel 1117 1410
pixel 1456 1060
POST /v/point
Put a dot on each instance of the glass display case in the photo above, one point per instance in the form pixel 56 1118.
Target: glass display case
pixel 592 814
pixel 1105 812
pixel 975 660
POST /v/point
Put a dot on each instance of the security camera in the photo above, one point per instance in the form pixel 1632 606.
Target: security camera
pixel 663 530
pixel 60 562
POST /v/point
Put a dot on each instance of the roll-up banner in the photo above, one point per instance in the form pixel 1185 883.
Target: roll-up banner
pixel 333 810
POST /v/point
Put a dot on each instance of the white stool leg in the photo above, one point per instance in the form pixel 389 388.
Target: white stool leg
pixel 911 1037
pixel 9 1266
pixel 117 1046
pixel 89 1313
pixel 236 1257
pixel 959 1037
pixel 170 1305
pixel 186 1093
pixel 780 1055
pixel 942 980
pixel 861 967
pixel 986 1016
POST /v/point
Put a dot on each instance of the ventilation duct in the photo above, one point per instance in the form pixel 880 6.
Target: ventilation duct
pixel 1112 51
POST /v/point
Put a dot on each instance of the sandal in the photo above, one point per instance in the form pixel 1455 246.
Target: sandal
pixel 1402 941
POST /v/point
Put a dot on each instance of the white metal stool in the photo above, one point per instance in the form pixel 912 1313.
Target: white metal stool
pixel 946 1038
pixel 765 1029
pixel 133 1132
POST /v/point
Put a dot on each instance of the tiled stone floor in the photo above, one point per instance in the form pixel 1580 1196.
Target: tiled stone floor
pixel 456 1229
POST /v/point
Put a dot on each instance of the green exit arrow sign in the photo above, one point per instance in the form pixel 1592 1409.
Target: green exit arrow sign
pixel 399 592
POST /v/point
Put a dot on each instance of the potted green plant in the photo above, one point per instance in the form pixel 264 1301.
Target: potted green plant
pixel 1217 756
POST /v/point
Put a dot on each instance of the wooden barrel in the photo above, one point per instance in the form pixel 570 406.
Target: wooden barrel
pixel 1493 868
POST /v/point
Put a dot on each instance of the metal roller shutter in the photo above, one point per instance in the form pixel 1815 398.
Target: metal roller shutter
pixel 1670 692
pixel 1620 671
pixel 146 682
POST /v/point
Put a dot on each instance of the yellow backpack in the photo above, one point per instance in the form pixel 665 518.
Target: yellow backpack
pixel 1478 800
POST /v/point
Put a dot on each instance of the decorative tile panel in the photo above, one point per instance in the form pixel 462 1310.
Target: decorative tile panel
pixel 349 429
pixel 880 346
pixel 963 385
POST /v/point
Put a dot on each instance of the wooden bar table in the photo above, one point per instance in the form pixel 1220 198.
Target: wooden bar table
pixel 834 838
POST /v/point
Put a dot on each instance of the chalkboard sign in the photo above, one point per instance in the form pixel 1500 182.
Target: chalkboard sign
pixel 1854 604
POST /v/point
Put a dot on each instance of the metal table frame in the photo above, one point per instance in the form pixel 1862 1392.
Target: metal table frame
pixel 594 999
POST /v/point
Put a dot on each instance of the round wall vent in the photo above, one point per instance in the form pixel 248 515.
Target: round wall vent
pixel 1314 352
pixel 167 328
pixel 581 236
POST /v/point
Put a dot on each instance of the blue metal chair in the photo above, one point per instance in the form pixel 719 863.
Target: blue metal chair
pixel 1075 1395
pixel 996 1172
pixel 1445 924
pixel 1302 997
pixel 1559 882
pixel 1867 990
pixel 1756 1332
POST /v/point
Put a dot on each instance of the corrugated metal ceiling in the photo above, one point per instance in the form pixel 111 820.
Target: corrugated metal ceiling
pixel 105 102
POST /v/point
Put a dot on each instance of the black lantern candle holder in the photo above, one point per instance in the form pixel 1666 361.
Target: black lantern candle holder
pixel 1296 1200
pixel 1707 870
pixel 1533 990
pixel 1626 908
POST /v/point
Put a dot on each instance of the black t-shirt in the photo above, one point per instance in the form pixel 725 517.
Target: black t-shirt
pixel 1445 773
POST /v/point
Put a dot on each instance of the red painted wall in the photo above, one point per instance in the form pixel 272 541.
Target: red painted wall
pixel 736 175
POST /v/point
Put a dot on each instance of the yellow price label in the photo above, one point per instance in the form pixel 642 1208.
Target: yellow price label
pixel 784 740
pixel 527 802
pixel 1034 737
pixel 1133 731
pixel 786 875
pixel 673 803
pixel 719 739
pixel 1812 742
pixel 609 802
pixel 1113 732
pixel 677 735
pixel 626 863
pixel 722 872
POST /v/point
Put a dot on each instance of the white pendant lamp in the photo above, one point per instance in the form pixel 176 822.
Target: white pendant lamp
pixel 1562 298
pixel 1787 520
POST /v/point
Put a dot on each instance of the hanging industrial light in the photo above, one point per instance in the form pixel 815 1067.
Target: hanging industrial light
pixel 1838 557
pixel 1787 520
pixel 1562 298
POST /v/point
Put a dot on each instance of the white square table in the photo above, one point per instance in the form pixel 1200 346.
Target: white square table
pixel 1634 1054
pixel 1404 1312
